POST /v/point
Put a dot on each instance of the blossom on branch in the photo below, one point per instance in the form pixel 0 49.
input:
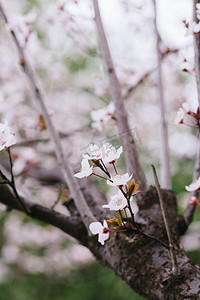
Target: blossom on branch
pixel 118 179
pixel 110 154
pixel 118 202
pixel 185 116
pixel 101 230
pixel 86 170
pixel 198 10
pixel 102 116
pixel 94 152
pixel 6 137
pixel 194 186
pixel 107 153
pixel 192 27
pixel 193 200
pixel 179 117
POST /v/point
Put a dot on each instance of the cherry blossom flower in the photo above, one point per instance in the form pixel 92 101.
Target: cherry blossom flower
pixel 194 186
pixel 193 200
pixel 102 116
pixel 118 179
pixel 192 27
pixel 101 230
pixel 111 154
pixel 86 170
pixel 188 65
pixel 118 202
pixel 94 152
pixel 179 117
pixel 187 117
pixel 6 137
pixel 198 10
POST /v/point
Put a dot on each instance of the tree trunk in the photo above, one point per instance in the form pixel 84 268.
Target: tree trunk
pixel 143 263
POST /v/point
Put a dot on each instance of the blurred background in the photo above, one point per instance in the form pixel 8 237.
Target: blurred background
pixel 59 37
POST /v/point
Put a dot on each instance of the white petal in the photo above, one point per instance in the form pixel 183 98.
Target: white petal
pixel 103 237
pixel 110 183
pixel 105 224
pixel 95 227
pixel 120 150
pixel 106 206
pixel 79 175
pixel 188 188
pixel 186 107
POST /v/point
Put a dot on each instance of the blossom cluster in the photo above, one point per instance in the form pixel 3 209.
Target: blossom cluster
pixel 194 187
pixel 193 27
pixel 101 116
pixel 103 157
pixel 187 117
pixel 7 138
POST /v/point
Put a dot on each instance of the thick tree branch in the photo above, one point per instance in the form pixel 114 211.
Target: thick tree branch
pixel 164 149
pixel 131 257
pixel 71 225
pixel 130 151
pixel 68 175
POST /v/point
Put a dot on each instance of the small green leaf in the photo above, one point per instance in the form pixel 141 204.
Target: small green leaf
pixel 113 222
pixel 119 219
pixel 132 188
pixel 113 233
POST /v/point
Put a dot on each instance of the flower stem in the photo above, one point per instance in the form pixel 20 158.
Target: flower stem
pixel 101 176
pixel 126 216
pixel 114 168
pixel 120 213
pixel 129 206
pixel 137 229
pixel 106 169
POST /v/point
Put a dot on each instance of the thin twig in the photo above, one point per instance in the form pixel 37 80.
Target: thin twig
pixel 130 151
pixel 132 88
pixel 175 267
pixel 137 229
pixel 12 184
pixel 145 75
pixel 164 149
pixel 68 175
pixel 58 197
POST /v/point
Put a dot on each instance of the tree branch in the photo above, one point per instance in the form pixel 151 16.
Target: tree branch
pixel 146 74
pixel 197 51
pixel 68 175
pixel 164 149
pixel 191 208
pixel 71 225
pixel 130 151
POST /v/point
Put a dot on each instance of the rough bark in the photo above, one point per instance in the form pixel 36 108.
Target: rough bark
pixel 143 263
